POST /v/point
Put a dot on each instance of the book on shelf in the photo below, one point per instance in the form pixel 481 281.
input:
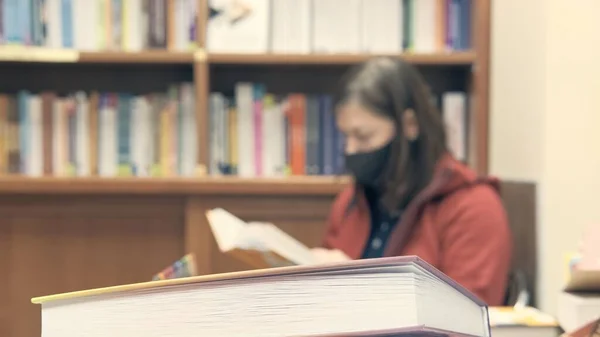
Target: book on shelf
pixel 98 25
pixel 401 296
pixel 105 134
pixel 260 245
pixel 254 133
pixel 339 26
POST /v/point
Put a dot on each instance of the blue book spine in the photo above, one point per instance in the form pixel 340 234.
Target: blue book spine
pixel 329 132
pixel 2 28
pixel 25 21
pixel 22 24
pixel 123 133
pixel 67 23
pixel 465 24
pixel 455 19
pixel 9 15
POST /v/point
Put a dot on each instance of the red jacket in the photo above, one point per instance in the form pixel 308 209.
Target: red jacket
pixel 457 224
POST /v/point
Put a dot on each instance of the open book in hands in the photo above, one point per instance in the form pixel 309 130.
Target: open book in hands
pixel 263 245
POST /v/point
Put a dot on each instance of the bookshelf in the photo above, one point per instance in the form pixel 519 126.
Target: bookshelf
pixel 63 233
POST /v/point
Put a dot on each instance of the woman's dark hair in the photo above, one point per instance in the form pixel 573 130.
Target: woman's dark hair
pixel 390 86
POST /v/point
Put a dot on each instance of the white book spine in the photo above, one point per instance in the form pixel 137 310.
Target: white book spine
pixel 35 167
pixel 136 129
pixel 58 138
pixel 291 26
pixel 54 27
pixel 454 113
pixel 240 26
pixel 424 26
pixel 82 146
pixel 189 131
pixel 382 26
pixel 244 101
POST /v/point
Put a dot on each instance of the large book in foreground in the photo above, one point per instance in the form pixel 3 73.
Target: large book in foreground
pixel 398 296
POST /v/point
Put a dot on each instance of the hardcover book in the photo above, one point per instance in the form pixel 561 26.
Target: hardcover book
pixel 398 296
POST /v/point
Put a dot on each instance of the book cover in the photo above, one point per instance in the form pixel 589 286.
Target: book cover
pixel 184 267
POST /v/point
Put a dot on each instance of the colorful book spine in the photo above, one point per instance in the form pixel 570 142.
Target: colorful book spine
pixel 184 267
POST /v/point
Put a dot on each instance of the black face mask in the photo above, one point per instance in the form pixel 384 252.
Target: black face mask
pixel 367 167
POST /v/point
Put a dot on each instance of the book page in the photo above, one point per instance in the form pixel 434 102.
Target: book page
pixel 232 233
pixel 285 245
pixel 226 228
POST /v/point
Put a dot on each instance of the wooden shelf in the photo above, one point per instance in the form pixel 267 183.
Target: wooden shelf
pixel 29 54
pixel 152 56
pixel 173 186
pixel 462 58
pixel 47 55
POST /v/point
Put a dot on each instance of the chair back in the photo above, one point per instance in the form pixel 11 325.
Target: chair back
pixel 519 200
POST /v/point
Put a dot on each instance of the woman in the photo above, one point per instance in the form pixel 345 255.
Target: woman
pixel 410 196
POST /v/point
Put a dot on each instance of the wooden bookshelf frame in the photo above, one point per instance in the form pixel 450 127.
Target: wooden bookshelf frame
pixel 478 59
pixel 185 187
pixel 63 234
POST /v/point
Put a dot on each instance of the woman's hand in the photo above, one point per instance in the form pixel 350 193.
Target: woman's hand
pixel 323 255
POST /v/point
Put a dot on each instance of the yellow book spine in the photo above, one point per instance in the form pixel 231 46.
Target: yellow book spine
pixel 125 43
pixel 108 24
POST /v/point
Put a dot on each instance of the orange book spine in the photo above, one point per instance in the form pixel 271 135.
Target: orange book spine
pixel 171 25
pixel 441 23
pixel 298 133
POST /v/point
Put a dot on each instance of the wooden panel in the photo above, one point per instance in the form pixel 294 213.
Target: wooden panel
pixel 56 243
pixel 202 22
pixel 481 73
pixel 50 245
pixel 198 236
